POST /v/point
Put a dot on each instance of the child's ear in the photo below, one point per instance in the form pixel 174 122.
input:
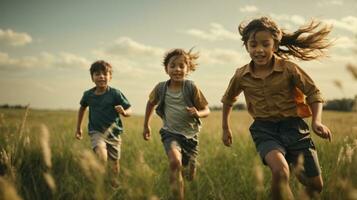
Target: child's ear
pixel 276 46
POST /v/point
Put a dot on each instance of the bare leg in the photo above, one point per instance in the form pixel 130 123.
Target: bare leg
pixel 101 152
pixel 280 188
pixel 191 172
pixel 313 185
pixel 176 180
pixel 115 169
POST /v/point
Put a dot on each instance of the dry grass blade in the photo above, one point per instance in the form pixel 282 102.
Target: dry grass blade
pixel 90 165
pixel 50 181
pixel 45 146
pixel 338 84
pixel 353 70
pixel 259 179
pixel 21 130
pixel 8 191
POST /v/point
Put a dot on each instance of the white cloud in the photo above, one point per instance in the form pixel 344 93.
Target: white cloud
pixel 248 8
pixel 128 47
pixel 345 42
pixel 132 58
pixel 68 60
pixel 12 38
pixel 225 57
pixel 44 60
pixel 294 19
pixel 330 3
pixel 215 33
pixel 348 23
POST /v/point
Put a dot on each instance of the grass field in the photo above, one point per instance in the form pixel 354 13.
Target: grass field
pixel 40 159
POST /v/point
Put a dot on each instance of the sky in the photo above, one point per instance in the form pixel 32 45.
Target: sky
pixel 47 46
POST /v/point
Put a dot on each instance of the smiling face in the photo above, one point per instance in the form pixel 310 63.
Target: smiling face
pixel 177 68
pixel 101 79
pixel 261 47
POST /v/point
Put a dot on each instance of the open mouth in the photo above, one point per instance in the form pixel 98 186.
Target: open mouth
pixel 259 57
pixel 177 75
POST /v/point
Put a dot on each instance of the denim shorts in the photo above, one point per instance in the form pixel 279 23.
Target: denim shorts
pixel 188 147
pixel 111 143
pixel 291 137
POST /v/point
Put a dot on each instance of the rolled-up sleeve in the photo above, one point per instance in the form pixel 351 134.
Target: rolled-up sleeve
pixel 233 90
pixel 200 101
pixel 153 96
pixel 303 81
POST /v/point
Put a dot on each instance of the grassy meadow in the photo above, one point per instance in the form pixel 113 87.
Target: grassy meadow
pixel 40 159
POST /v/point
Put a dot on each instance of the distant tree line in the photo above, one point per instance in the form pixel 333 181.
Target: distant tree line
pixel 237 106
pixel 344 104
pixel 17 106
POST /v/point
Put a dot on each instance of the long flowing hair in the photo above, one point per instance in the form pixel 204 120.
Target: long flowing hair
pixel 309 42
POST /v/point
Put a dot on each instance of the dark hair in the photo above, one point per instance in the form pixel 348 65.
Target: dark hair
pixel 100 66
pixel 190 58
pixel 307 43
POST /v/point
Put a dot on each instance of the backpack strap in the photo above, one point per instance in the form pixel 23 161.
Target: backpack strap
pixel 160 94
pixel 189 95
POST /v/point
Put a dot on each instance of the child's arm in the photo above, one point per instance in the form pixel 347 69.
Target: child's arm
pixel 79 132
pixel 316 124
pixel 227 132
pixel 148 113
pixel 125 112
pixel 199 113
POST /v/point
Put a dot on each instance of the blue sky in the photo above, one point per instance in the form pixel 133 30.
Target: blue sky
pixel 46 47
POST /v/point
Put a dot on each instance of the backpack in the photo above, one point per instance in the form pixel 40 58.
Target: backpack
pixel 188 95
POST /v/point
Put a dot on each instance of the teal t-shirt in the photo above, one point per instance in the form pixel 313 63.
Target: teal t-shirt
pixel 102 113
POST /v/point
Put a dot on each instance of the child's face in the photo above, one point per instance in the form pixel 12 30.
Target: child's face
pixel 101 78
pixel 177 68
pixel 261 47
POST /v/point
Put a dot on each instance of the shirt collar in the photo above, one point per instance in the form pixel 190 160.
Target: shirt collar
pixel 278 66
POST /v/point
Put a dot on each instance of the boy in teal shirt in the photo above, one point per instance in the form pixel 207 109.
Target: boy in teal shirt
pixel 105 106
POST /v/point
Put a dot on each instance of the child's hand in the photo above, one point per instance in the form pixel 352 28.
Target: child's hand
pixel 79 134
pixel 227 137
pixel 322 130
pixel 192 111
pixel 147 133
pixel 120 109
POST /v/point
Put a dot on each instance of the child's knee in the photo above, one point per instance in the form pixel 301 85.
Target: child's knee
pixel 175 164
pixel 282 173
pixel 101 152
pixel 316 184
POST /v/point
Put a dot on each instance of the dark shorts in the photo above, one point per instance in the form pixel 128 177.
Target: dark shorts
pixel 188 147
pixel 291 137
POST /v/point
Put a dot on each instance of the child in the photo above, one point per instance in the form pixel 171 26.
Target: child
pixel 180 105
pixel 272 87
pixel 105 104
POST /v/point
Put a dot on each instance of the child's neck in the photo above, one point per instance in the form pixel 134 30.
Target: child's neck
pixel 263 71
pixel 175 85
pixel 100 90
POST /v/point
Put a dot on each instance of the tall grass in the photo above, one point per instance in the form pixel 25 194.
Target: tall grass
pixel 40 159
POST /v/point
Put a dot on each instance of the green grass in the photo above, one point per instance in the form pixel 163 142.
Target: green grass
pixel 223 173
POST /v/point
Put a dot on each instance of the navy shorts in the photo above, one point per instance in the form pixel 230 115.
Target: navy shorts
pixel 291 137
pixel 188 147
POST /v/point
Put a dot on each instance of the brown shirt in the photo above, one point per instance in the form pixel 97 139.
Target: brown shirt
pixel 273 97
